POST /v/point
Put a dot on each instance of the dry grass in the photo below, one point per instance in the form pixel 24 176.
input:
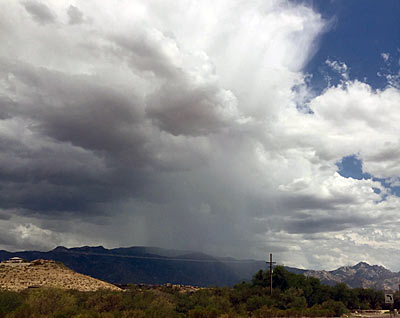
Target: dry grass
pixel 43 273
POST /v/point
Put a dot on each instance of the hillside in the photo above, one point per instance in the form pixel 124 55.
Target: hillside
pixel 46 273
pixel 359 275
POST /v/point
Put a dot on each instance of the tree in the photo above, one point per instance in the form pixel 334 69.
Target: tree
pixel 292 298
pixel 282 279
pixel 261 279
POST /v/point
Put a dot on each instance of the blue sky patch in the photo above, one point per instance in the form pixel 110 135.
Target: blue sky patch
pixel 358 35
pixel 351 167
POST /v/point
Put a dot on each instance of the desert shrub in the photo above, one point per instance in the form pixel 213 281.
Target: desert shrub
pixel 292 298
pixel 104 301
pixel 87 314
pixel 51 302
pixel 318 311
pixel 257 301
pixel 9 301
pixel 142 300
pixel 265 312
pixel 184 303
pixel 204 312
pixel 160 307
pixel 21 312
pixel 109 314
pixel 136 313
pixel 337 307
pixel 243 291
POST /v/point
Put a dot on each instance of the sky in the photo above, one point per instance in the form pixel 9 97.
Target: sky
pixel 234 128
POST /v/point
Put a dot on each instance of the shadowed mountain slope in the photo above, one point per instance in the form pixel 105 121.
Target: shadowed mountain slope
pixel 140 265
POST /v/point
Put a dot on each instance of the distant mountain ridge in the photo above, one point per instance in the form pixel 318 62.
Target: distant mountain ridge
pixel 360 275
pixel 148 265
pixel 154 265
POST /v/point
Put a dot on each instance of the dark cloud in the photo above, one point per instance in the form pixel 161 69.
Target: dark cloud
pixel 83 139
pixel 7 106
pixel 313 202
pixel 149 51
pixel 40 12
pixel 184 111
pixel 4 216
pixel 75 15
pixel 7 239
pixel 77 110
pixel 322 224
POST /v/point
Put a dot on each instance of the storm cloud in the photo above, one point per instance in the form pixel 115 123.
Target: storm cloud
pixel 178 125
pixel 39 12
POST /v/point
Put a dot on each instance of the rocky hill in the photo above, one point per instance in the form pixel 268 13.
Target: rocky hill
pixel 359 275
pixel 46 273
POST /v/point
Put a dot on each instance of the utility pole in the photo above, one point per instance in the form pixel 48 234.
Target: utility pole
pixel 270 273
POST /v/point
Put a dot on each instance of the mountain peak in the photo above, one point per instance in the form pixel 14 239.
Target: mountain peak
pixel 60 249
pixel 366 266
pixel 360 275
pixel 86 248
pixel 362 264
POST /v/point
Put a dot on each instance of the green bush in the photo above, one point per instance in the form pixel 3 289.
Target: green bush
pixel 49 302
pixel 292 298
pixel 337 307
pixel 257 301
pixel 9 302
pixel 105 301
pixel 201 312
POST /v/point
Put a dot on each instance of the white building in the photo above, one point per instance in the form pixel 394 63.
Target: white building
pixel 15 260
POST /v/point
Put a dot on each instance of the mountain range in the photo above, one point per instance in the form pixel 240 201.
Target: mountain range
pixel 152 265
pixel 146 265
pixel 359 275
